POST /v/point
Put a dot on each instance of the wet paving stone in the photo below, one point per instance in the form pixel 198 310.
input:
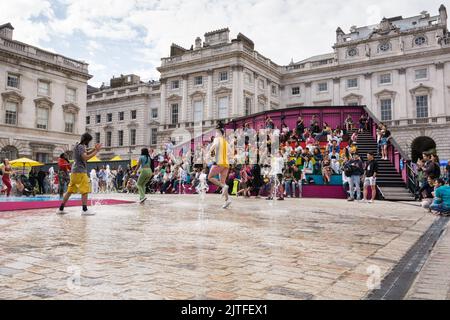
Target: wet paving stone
pixel 177 247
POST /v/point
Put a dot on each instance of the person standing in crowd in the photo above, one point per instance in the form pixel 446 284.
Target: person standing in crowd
pixel 94 181
pixel 119 179
pixel 356 169
pixel 441 203
pixel 32 177
pixel 79 180
pixel 63 174
pixel 348 123
pixel 429 167
pixel 221 165
pixel 41 181
pixel 300 127
pixel 447 172
pixel 276 175
pixel 6 177
pixel 145 175
pixel 370 177
pixel 384 142
pixel 437 166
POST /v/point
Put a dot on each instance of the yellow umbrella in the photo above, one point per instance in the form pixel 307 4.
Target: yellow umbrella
pixel 116 158
pixel 24 162
pixel 94 159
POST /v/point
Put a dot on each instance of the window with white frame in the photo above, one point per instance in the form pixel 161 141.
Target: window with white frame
pixel 295 91
pixel 69 122
pixel 198 81
pixel 120 137
pixel 97 137
pixel 121 116
pixel 274 90
pixel 154 113
pixel 13 81
pixel 322 87
pixel 223 107
pixel 88 120
pixel 223 76
pixel 248 77
pixel 175 84
pixel 385 78
pixel 71 95
pixel 98 118
pixel 422 106
pixel 421 74
pixel 352 83
pixel 108 138
pixel 261 84
pixel 43 88
pixel 154 136
pixel 133 137
pixel 174 113
pixel 42 118
pixel 133 114
pixel 42 157
pixel 109 117
pixel 420 40
pixel 386 109
pixel 11 113
pixel 248 106
pixel 198 111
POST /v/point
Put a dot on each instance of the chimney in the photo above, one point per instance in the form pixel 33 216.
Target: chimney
pixel 198 43
pixel 443 15
pixel 6 31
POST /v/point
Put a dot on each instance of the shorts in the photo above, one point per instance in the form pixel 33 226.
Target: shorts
pixel 79 183
pixel 383 142
pixel 370 181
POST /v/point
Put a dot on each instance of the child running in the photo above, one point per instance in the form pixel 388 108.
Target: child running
pixel 146 173
pixel 79 180
pixel 221 165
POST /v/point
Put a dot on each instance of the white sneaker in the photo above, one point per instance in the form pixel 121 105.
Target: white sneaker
pixel 370 201
pixel 226 205
pixel 225 192
pixel 88 213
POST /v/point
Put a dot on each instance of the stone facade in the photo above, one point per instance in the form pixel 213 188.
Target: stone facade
pixel 399 68
pixel 127 112
pixel 42 100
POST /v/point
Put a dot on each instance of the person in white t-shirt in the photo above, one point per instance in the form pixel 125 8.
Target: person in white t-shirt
pixel 276 175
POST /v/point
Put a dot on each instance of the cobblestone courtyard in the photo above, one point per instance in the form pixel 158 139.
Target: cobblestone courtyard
pixel 178 247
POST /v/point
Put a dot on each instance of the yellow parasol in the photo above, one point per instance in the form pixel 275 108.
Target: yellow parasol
pixel 134 163
pixel 94 159
pixel 24 163
pixel 116 158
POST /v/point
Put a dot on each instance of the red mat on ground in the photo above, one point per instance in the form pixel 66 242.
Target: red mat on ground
pixel 33 205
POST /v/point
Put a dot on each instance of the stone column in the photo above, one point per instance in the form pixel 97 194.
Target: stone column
pixel 370 101
pixel 337 91
pixel 163 109
pixel 268 92
pixel 308 100
pixel 255 88
pixel 241 105
pixel 235 92
pixel 209 96
pixel 437 109
pixel 401 105
pixel 184 101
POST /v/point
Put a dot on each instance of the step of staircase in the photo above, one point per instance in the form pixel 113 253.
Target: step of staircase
pixel 396 194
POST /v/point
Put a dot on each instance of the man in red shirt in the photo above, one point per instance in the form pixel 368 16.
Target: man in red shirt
pixel 63 173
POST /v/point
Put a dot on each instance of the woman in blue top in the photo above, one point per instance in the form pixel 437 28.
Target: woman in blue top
pixel 146 174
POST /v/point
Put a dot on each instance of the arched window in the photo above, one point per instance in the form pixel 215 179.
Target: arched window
pixel 9 152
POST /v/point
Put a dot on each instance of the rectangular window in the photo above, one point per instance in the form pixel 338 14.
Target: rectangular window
pixel 174 113
pixel 385 78
pixel 248 106
pixel 43 88
pixel 133 114
pixel 421 74
pixel 13 81
pixel 120 138
pixel 109 117
pixel 11 113
pixel 69 119
pixel 97 137
pixel 352 104
pixel 88 120
pixel 42 157
pixel 71 95
pixel 261 84
pixel 274 90
pixel 133 137
pixel 248 77
pixel 223 108
pixel 155 113
pixel 352 83
pixel 154 137
pixel 322 87
pixel 175 84
pixel 223 76
pixel 198 81
pixel 422 106
pixel 108 138
pixel 42 118
pixel 386 109
pixel 198 111
pixel 98 118
pixel 121 116
pixel 296 91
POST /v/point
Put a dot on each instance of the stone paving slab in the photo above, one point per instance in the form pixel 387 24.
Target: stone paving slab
pixel 178 247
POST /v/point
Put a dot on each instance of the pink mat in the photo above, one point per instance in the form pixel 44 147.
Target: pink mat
pixel 12 206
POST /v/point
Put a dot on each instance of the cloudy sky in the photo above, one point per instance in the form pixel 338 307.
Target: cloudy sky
pixel 131 36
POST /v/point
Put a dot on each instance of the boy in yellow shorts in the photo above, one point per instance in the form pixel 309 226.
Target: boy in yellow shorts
pixel 79 180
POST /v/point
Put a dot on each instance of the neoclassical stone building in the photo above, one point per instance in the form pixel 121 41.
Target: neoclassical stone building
pixel 42 100
pixel 124 116
pixel 399 68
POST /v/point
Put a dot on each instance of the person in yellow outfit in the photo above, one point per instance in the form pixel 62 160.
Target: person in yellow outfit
pixel 79 180
pixel 221 165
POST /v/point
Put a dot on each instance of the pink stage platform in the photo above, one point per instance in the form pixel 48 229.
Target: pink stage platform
pixel 33 205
